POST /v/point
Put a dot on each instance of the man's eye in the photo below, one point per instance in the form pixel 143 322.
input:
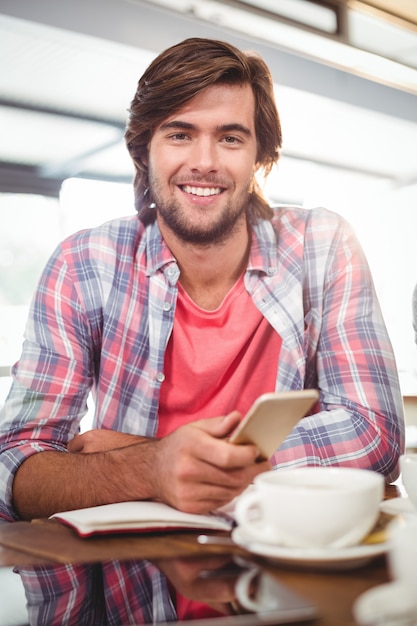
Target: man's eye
pixel 231 139
pixel 179 136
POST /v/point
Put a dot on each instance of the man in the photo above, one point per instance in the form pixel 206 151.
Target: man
pixel 180 319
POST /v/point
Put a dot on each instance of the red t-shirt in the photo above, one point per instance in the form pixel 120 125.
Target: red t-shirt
pixel 216 361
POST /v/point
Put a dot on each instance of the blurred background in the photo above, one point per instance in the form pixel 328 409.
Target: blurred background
pixel 345 74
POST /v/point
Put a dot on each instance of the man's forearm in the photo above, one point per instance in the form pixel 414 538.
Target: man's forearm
pixel 49 482
pixel 195 469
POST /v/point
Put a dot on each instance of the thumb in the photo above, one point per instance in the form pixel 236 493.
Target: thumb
pixel 75 444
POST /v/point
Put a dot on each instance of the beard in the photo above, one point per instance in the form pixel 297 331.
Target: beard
pixel 202 231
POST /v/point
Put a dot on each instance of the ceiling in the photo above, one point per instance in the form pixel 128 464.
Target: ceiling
pixel 70 70
pixel 406 9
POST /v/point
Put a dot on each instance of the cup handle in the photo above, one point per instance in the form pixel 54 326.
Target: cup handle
pixel 248 513
pixel 242 590
pixel 246 506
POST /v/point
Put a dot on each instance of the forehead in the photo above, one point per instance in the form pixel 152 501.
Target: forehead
pixel 224 102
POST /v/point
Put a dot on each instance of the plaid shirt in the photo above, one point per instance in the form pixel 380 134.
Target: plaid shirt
pixel 103 313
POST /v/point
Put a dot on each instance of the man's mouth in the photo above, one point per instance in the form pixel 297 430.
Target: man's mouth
pixel 201 191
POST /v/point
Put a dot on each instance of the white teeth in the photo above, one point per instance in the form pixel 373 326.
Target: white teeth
pixel 202 191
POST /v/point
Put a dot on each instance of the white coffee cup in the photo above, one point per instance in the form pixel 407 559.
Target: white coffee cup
pixel 311 507
pixel 408 466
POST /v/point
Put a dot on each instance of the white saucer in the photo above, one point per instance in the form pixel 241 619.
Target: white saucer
pixel 397 506
pixel 388 604
pixel 317 558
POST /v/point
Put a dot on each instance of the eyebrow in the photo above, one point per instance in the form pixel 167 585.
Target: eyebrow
pixel 225 128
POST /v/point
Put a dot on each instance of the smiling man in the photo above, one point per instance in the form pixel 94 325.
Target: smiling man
pixel 179 318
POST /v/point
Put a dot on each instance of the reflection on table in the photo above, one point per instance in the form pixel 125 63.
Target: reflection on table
pixel 170 590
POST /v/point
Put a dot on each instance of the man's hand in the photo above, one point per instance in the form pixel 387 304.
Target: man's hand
pixel 196 469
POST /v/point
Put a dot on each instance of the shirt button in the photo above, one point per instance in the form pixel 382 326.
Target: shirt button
pixel 160 377
pixel 166 306
pixel 171 271
pixel 271 271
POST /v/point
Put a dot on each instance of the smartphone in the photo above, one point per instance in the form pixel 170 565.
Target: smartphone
pixel 272 417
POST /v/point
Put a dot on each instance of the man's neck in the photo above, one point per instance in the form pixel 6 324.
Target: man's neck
pixel 209 272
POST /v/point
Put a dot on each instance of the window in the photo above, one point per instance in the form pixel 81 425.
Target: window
pixel 30 228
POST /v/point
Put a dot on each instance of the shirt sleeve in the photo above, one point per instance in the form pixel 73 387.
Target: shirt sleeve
pixel 52 379
pixel 349 358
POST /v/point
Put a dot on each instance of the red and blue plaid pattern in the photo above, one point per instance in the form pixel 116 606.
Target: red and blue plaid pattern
pixel 103 313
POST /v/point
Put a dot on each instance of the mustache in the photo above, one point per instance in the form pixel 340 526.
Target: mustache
pixel 210 179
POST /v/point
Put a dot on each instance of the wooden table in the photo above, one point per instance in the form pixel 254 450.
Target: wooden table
pixel 48 541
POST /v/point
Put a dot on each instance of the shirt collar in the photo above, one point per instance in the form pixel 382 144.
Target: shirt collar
pixel 158 253
pixel 263 253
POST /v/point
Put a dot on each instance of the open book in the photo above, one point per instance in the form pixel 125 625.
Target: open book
pixel 139 516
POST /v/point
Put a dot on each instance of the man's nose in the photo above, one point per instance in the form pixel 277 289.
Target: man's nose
pixel 204 156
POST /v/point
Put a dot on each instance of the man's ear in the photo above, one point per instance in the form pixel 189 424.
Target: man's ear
pixel 144 157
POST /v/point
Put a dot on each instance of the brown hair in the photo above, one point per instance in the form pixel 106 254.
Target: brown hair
pixel 175 77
